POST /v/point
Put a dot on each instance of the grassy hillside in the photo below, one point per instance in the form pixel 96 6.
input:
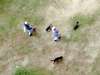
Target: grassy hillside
pixel 80 48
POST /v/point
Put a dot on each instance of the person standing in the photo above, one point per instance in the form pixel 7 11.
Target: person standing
pixel 28 28
pixel 56 34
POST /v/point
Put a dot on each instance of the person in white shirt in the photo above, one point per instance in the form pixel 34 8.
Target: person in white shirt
pixel 56 34
pixel 28 28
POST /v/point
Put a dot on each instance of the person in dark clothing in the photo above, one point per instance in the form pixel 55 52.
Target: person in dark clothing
pixel 76 26
pixel 28 28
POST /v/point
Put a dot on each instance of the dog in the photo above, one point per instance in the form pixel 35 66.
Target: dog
pixel 57 59
pixel 49 28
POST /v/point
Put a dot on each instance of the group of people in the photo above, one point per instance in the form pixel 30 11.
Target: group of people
pixel 30 30
pixel 55 32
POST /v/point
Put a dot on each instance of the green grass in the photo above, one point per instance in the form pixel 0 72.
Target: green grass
pixel 83 19
pixel 96 67
pixel 4 4
pixel 12 14
pixel 84 22
pixel 28 10
pixel 24 9
pixel 26 71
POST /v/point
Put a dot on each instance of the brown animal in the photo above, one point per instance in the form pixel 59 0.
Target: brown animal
pixel 57 59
